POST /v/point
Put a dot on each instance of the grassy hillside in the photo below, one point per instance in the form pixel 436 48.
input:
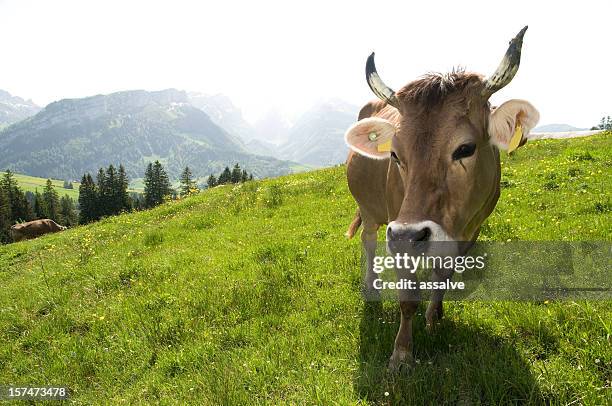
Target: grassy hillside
pixel 32 183
pixel 250 294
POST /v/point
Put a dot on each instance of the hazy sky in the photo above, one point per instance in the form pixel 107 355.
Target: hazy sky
pixel 286 55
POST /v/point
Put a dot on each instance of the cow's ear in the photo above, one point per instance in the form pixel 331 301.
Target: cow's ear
pixel 510 124
pixel 371 137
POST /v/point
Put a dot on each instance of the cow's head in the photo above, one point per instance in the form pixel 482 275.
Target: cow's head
pixel 444 148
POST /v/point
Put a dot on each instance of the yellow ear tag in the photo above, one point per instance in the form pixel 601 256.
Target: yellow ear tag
pixel 516 138
pixel 384 147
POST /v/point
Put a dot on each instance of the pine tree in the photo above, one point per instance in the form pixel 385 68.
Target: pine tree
pixel 211 181
pixel 113 199
pixel 149 186
pixel 88 200
pixel 157 185
pixel 165 188
pixel 51 200
pixel 236 174
pixel 5 217
pixel 102 195
pixel 225 176
pixel 19 207
pixel 188 185
pixel 67 213
pixel 7 185
pixel 29 196
pixel 22 211
pixel 245 176
pixel 604 124
pixel 39 205
pixel 251 177
pixel 122 189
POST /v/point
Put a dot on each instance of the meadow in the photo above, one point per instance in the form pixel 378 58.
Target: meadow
pixel 250 294
pixel 33 183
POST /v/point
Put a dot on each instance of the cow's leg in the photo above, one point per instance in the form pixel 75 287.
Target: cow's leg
pixel 402 350
pixel 435 309
pixel 409 302
pixel 368 238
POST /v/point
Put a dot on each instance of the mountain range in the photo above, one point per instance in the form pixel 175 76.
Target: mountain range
pixel 14 109
pixel 205 132
pixel 315 139
pixel 73 136
pixel 223 113
pixel 556 128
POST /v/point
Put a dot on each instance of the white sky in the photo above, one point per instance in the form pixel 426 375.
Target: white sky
pixel 286 55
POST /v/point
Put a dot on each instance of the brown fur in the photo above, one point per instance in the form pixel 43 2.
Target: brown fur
pixel 431 89
pixel 33 229
pixel 438 113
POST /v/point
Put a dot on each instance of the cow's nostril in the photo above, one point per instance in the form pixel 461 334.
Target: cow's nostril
pixel 408 234
pixel 392 235
pixel 423 235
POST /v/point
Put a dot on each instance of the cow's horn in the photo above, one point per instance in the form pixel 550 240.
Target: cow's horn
pixel 507 68
pixel 379 88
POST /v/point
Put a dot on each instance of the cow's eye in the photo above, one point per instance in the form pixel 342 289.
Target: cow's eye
pixel 395 158
pixel 464 151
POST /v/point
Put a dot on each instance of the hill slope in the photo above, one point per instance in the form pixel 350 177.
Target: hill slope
pixel 14 109
pixel 71 137
pixel 32 184
pixel 250 294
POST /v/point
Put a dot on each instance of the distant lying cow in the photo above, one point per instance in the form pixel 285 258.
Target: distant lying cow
pixel 33 229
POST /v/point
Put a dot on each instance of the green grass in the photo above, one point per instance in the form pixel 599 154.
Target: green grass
pixel 250 294
pixel 32 183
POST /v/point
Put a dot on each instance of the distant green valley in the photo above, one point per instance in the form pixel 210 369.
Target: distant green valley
pixel 33 183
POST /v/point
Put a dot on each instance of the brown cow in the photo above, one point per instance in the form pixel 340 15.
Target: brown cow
pixel 425 162
pixel 33 229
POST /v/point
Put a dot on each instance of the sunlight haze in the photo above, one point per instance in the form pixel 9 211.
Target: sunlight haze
pixel 286 56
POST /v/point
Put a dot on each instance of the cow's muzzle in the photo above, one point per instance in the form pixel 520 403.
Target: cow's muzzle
pixel 407 237
pixel 404 232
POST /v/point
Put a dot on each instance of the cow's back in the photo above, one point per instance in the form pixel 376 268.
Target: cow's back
pixel 33 229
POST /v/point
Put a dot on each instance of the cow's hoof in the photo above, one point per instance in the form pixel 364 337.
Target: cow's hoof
pixel 399 359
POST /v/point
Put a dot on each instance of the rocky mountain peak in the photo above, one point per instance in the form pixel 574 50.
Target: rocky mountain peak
pixel 14 108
